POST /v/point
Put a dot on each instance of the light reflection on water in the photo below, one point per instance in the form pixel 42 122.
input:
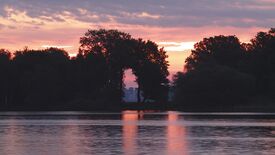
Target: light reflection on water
pixel 129 131
pixel 136 132
pixel 176 142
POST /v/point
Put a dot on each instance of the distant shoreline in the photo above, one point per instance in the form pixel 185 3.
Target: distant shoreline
pixel 145 107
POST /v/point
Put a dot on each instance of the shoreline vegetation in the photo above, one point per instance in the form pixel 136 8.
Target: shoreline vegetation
pixel 253 107
pixel 220 75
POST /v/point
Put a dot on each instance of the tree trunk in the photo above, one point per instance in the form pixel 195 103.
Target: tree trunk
pixel 138 94
pixel 121 85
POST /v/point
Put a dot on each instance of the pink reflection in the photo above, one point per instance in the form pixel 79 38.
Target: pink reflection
pixel 10 139
pixel 176 142
pixel 70 142
pixel 130 128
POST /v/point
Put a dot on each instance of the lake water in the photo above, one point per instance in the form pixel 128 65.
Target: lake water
pixel 132 133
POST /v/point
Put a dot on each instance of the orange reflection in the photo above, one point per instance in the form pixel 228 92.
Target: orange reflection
pixel 176 143
pixel 130 128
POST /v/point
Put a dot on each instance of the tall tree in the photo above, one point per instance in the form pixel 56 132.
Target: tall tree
pixel 121 52
pixel 221 50
pixel 262 64
pixel 114 46
pixel 213 74
pixel 42 76
pixel 89 74
pixel 152 72
pixel 5 78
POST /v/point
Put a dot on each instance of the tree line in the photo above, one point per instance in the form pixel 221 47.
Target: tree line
pixel 220 72
pixel 93 78
pixel 223 72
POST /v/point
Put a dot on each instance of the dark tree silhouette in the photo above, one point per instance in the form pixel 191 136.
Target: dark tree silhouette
pixel 152 72
pixel 121 52
pixel 262 61
pixel 218 50
pixel 89 76
pixel 49 78
pixel 41 76
pixel 212 87
pixel 212 74
pixel 114 47
pixel 222 72
pixel 5 72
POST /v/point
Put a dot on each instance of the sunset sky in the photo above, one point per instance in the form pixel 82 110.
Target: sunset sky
pixel 174 24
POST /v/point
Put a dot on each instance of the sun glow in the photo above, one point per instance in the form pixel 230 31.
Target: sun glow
pixel 177 46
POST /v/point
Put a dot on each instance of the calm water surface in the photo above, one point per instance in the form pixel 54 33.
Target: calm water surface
pixel 131 133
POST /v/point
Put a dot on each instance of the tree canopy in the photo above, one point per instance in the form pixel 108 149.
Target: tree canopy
pixel 94 78
pixel 221 71
pixel 120 52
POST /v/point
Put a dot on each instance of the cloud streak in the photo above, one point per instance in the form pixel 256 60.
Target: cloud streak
pixel 175 13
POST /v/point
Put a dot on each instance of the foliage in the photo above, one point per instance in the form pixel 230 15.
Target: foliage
pixel 120 52
pixel 94 78
pixel 221 71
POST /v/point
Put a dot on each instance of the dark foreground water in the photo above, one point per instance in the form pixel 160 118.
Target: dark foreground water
pixel 131 132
